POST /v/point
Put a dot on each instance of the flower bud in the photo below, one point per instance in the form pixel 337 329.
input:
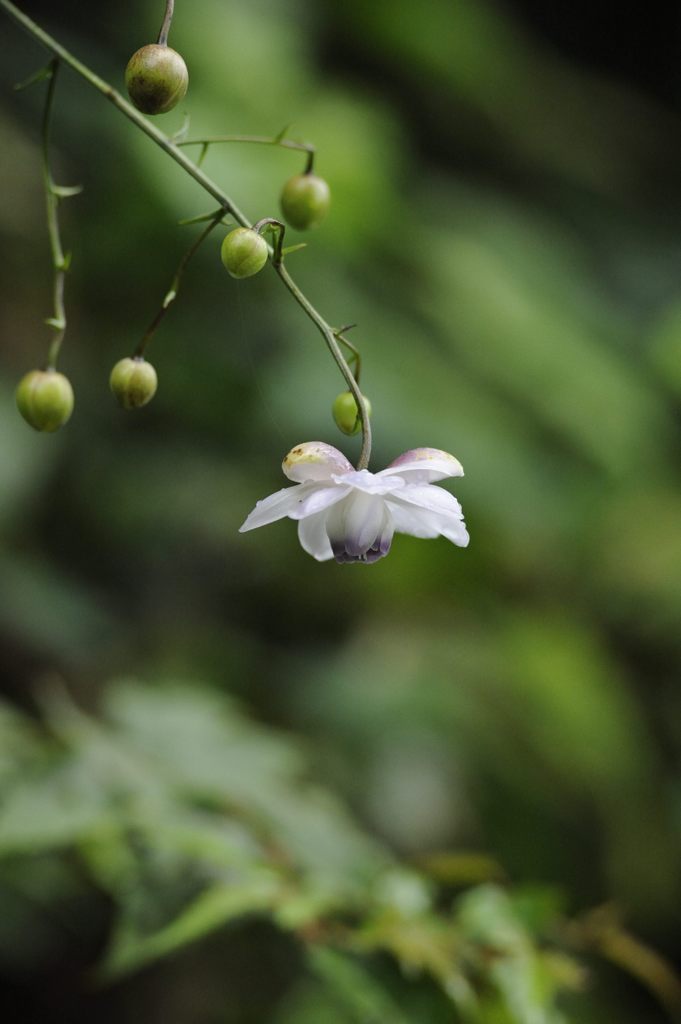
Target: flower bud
pixel 45 399
pixel 305 201
pixel 346 413
pixel 156 78
pixel 133 382
pixel 244 252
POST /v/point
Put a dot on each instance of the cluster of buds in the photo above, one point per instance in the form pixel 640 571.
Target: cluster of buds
pixel 157 79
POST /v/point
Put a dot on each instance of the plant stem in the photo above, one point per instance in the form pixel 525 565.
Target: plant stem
pixel 125 108
pixel 356 357
pixel 175 153
pixel 171 294
pixel 278 230
pixel 165 27
pixel 58 321
pixel 258 140
pixel 334 348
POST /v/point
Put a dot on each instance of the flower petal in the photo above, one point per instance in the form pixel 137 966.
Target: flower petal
pixel 360 528
pixel 423 465
pixel 314 460
pixel 275 506
pixel 314 538
pixel 364 515
pixel 435 499
pixel 420 523
pixel 414 521
pixel 370 483
pixel 318 499
pixel 420 520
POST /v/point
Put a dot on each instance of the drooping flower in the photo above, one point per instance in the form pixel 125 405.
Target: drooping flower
pixel 351 515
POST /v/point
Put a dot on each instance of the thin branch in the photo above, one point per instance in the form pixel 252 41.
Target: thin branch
pixel 229 206
pixel 258 140
pixel 339 358
pixel 172 292
pixel 355 353
pixel 59 263
pixel 165 27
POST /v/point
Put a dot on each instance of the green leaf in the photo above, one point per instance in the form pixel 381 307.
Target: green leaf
pixel 37 76
pixel 354 988
pixel 201 746
pixel 525 981
pixel 282 134
pixel 200 218
pixel 215 907
pixel 50 811
pixel 288 249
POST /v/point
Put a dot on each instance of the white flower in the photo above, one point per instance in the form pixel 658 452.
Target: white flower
pixel 351 515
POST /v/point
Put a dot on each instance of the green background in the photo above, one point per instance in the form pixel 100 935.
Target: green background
pixel 506 232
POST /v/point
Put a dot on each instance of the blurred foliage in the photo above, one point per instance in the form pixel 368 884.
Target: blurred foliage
pixel 189 816
pixel 506 231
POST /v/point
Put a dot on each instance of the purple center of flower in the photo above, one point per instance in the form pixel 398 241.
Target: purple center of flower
pixel 379 549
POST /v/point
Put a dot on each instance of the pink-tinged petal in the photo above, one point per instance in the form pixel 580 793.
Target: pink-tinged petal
pixel 276 506
pixel 423 465
pixel 314 538
pixel 318 499
pixel 314 460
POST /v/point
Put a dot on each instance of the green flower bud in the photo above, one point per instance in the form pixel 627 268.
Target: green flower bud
pixel 156 78
pixel 346 413
pixel 244 252
pixel 133 382
pixel 305 201
pixel 45 399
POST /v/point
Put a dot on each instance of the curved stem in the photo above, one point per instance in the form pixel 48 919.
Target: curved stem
pixel 127 109
pixel 334 349
pixel 59 264
pixel 356 357
pixel 258 140
pixel 171 294
pixel 165 27
pixel 278 230
pixel 174 151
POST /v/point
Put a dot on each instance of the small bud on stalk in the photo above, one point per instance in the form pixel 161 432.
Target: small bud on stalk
pixel 346 413
pixel 156 78
pixel 244 252
pixel 133 382
pixel 45 399
pixel 305 201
